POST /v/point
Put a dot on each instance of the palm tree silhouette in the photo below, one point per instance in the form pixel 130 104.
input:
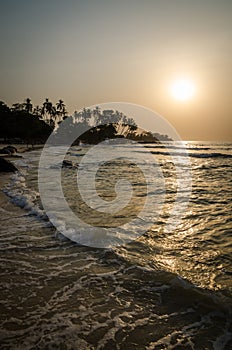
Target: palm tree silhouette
pixel 28 105
pixel 61 108
pixel 37 111
pixel 49 112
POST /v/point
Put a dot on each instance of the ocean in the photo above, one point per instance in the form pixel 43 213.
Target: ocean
pixel 162 290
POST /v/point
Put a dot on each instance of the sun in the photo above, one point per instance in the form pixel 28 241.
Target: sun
pixel 182 89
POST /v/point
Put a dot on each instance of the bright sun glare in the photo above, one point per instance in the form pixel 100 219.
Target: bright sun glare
pixel 182 89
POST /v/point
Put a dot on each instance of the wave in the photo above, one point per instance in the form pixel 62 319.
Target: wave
pixel 24 197
pixel 178 147
pixel 194 155
pixel 125 299
pixel 117 295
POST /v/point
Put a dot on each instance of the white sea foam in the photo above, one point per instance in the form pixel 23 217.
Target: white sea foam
pixel 86 298
pixel 22 196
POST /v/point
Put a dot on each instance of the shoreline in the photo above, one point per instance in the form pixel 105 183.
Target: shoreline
pixel 21 148
pixel 4 180
pixel 5 177
pixel 7 207
pixel 74 289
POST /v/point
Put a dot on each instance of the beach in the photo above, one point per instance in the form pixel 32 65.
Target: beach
pixel 161 291
pixel 116 181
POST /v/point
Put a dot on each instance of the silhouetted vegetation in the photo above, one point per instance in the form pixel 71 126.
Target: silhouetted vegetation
pixel 18 124
pixel 25 123
pixel 109 124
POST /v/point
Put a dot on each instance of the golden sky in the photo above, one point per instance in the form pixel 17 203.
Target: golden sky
pixel 91 52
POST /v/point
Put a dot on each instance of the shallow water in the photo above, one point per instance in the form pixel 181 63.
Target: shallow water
pixel 161 291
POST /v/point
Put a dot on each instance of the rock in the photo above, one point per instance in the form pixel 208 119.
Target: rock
pixel 8 150
pixel 6 166
pixel 5 151
pixel 67 164
pixel 12 149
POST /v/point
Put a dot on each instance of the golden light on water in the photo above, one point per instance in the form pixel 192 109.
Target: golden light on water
pixel 182 89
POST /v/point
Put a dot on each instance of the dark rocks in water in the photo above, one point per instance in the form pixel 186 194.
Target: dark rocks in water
pixel 5 151
pixel 6 166
pixel 12 149
pixel 8 150
pixel 65 164
pixel 68 164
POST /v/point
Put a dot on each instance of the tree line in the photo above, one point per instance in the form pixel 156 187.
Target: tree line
pixel 49 112
pixel 96 125
pixel 19 124
pixel 26 123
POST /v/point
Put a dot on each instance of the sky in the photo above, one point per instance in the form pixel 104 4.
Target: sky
pixel 89 52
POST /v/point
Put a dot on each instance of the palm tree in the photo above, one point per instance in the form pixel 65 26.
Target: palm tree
pixel 96 111
pixel 131 130
pixel 126 125
pixel 28 105
pixel 37 111
pixel 61 108
pixel 49 112
pixel 85 116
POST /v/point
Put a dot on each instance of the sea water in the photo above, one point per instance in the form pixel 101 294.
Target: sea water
pixel 164 290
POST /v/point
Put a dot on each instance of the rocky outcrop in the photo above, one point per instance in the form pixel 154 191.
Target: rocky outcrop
pixel 6 166
pixel 9 150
